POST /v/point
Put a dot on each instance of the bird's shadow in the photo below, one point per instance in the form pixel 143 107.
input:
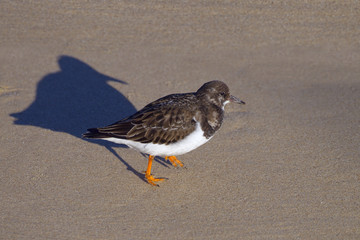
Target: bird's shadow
pixel 75 98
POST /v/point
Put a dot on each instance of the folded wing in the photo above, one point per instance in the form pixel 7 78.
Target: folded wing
pixel 164 121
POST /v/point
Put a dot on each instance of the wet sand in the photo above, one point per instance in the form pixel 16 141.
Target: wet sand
pixel 284 166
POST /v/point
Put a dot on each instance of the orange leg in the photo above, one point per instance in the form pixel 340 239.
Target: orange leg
pixel 148 175
pixel 175 162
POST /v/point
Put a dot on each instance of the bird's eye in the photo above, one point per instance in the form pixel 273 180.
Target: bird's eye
pixel 222 94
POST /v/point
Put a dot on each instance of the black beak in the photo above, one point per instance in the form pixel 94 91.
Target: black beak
pixel 236 100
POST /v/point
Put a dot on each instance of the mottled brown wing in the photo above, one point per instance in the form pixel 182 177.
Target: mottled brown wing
pixel 164 121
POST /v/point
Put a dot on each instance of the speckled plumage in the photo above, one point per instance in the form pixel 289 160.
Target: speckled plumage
pixel 172 118
pixel 174 124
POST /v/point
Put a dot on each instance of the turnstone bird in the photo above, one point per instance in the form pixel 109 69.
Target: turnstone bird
pixel 172 125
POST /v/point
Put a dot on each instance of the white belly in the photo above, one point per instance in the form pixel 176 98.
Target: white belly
pixel 189 143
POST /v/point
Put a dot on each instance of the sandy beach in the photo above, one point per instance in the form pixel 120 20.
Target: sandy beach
pixel 284 166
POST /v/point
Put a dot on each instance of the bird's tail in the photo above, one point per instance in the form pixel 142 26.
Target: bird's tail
pixel 94 133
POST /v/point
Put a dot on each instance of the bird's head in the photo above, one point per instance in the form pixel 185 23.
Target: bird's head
pixel 217 93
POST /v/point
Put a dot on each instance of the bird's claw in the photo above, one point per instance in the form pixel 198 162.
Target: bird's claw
pixel 151 180
pixel 174 161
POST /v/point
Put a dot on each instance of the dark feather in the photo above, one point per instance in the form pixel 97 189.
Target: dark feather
pixel 164 121
pixel 173 117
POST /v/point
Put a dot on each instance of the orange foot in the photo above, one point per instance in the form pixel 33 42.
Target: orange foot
pixel 175 162
pixel 150 179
